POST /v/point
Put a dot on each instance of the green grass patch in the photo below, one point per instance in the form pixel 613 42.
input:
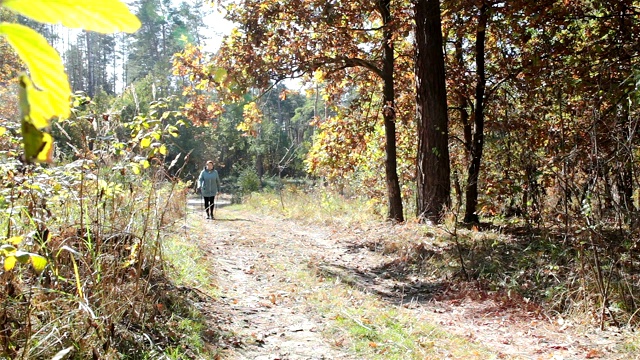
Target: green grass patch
pixel 188 265
pixel 375 329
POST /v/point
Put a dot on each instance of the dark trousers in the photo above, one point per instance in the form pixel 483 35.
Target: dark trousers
pixel 209 205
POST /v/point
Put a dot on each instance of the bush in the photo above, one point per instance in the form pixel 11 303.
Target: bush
pixel 248 181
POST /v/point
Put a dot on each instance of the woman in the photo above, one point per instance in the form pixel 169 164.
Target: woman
pixel 209 183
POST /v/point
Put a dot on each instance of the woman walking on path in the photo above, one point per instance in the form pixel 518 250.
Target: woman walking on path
pixel 209 183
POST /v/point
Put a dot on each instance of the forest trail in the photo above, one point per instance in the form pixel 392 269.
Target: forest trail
pixel 256 256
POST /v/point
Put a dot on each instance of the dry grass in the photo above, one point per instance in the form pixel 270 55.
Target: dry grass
pixel 317 207
pixel 104 292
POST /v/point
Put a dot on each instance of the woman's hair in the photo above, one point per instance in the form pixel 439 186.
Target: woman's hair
pixel 209 162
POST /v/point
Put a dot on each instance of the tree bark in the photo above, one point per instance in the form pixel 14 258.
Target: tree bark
pixel 477 144
pixel 433 171
pixel 393 186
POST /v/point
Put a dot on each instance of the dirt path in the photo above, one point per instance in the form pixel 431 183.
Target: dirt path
pixel 265 309
pixel 269 315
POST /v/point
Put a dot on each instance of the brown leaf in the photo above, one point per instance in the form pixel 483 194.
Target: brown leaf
pixel 593 354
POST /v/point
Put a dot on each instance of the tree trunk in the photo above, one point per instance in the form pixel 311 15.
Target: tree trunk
pixel 463 104
pixel 90 65
pixel 391 172
pixel 260 166
pixel 476 146
pixel 433 172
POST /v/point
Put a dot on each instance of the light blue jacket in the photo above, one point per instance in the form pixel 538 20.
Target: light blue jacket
pixel 209 182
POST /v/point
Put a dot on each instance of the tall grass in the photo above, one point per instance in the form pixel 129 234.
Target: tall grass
pixel 316 206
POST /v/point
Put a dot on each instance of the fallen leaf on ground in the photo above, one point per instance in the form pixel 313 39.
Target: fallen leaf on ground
pixel 593 354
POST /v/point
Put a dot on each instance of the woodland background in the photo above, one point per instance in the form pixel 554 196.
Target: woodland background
pixel 520 116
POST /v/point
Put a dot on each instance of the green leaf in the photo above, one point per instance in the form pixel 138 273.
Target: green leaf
pixel 220 75
pixel 9 263
pixel 22 256
pixel 104 16
pixel 38 145
pixel 49 93
pixel 7 249
pixel 38 262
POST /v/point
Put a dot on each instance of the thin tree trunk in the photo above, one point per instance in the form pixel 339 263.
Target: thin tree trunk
pixel 90 65
pixel 463 102
pixel 433 171
pixel 471 193
pixel 391 173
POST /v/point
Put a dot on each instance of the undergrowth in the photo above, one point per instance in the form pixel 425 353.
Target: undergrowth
pixel 99 269
pixel 103 292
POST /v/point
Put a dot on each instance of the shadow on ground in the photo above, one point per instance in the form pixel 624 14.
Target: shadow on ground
pixel 394 287
pixel 534 263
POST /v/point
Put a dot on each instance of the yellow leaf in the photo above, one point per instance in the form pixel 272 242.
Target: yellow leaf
pixel 145 164
pixel 318 76
pixel 144 143
pixel 47 89
pixel 9 263
pixel 3 130
pixel 220 75
pixel 38 262
pixel 163 150
pixel 15 240
pixel 104 16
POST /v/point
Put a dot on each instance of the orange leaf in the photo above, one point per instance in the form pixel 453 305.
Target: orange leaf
pixel 593 353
